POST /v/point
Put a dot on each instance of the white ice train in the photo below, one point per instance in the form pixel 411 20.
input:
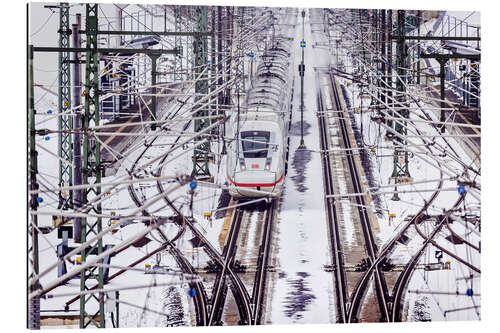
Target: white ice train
pixel 256 162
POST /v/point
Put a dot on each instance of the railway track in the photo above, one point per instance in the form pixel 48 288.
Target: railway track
pixel 229 253
pixel 262 264
pixel 398 290
pixel 403 279
pixel 200 297
pixel 333 223
pixel 370 244
pixel 244 303
pixel 237 287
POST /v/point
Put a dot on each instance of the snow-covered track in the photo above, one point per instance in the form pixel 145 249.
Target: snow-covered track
pixel 400 287
pixel 370 244
pixel 220 286
pixel 200 298
pixel 263 261
pixel 332 220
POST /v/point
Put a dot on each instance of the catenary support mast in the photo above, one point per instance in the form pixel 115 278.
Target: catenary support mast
pixel 91 305
pixel 201 153
pixel 400 171
pixel 33 267
pixel 64 121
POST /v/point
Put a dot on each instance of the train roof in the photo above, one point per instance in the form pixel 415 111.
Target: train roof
pixel 259 116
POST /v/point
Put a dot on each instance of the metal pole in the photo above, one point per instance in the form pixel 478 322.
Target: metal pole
pixel 117 309
pixel 228 34
pixel 64 121
pixel 153 57
pixel 201 154
pixel 400 163
pixel 92 172
pixel 213 68
pixel 178 44
pixel 302 69
pixel 383 51
pixel 419 21
pixel 77 136
pixel 442 64
pixel 34 303
pixel 389 62
pixel 220 97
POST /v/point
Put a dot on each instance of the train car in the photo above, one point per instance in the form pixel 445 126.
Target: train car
pixel 257 158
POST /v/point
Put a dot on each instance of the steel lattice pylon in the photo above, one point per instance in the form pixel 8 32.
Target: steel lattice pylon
pixel 189 59
pixel 400 171
pixel 64 121
pixel 178 44
pixel 92 170
pixel 33 267
pixel 241 64
pixel 202 152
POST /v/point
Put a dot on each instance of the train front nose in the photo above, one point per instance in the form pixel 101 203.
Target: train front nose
pixel 253 183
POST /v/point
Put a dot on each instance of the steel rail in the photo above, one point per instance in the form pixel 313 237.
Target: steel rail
pixel 404 277
pixel 333 223
pixel 370 244
pixel 200 297
pixel 262 264
pixel 229 252
pixel 238 288
pixel 387 249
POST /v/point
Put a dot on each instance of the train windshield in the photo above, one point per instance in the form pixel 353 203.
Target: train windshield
pixel 255 144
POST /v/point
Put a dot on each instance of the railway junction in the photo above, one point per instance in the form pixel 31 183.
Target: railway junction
pixel 135 110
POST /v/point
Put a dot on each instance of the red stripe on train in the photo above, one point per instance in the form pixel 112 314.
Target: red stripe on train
pixel 256 184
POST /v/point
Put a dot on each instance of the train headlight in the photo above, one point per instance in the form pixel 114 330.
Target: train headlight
pixel 242 164
pixel 268 164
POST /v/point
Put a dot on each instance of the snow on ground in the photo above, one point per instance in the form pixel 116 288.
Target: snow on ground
pixel 303 292
pixel 434 305
pixel 157 299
